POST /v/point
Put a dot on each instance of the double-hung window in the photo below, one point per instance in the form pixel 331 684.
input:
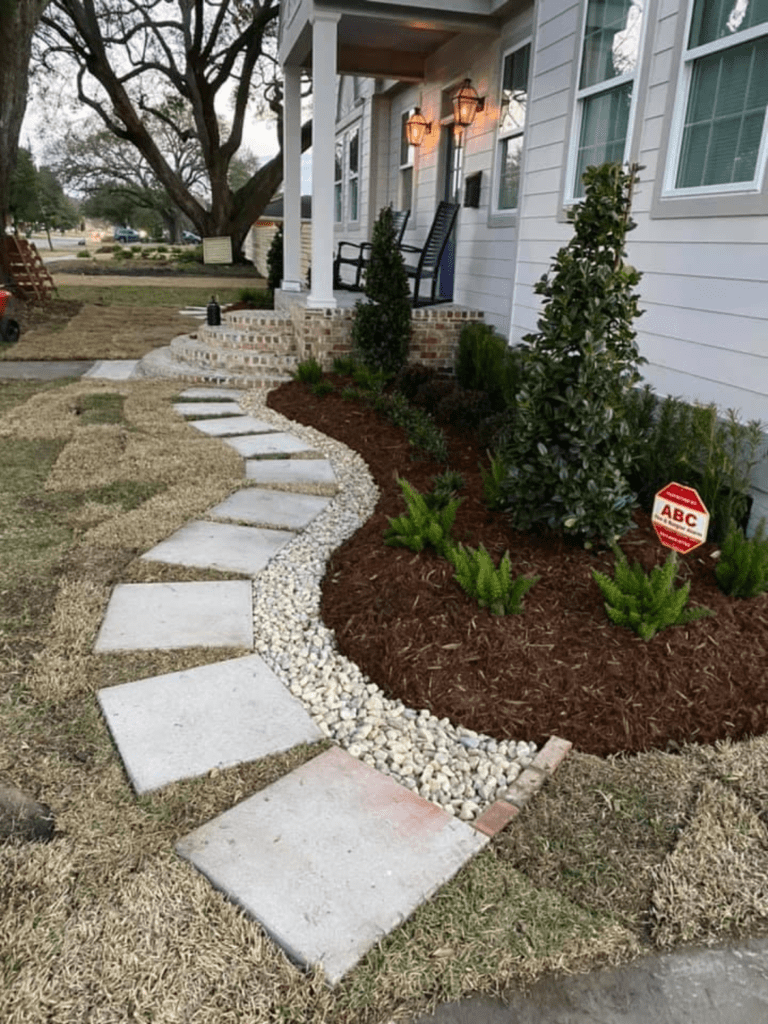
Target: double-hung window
pixel 353 175
pixel 405 197
pixel 719 136
pixel 338 166
pixel 605 98
pixel 513 107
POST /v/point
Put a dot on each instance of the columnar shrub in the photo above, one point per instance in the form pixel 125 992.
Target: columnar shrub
pixel 275 260
pixel 567 449
pixel 381 329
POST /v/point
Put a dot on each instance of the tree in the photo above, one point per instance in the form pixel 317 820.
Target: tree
pixel 131 54
pixel 22 190
pixel 18 21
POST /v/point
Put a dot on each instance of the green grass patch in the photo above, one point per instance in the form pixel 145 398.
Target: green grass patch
pixel 104 407
pixel 151 295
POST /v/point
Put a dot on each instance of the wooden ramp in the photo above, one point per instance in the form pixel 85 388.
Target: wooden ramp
pixel 23 264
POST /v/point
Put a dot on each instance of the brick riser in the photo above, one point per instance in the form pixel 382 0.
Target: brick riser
pixel 237 358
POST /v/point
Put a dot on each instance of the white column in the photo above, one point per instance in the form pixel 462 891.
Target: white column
pixel 323 142
pixel 291 179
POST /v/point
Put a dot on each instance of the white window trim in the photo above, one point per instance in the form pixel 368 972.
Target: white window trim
pixel 602 87
pixel 338 183
pixel 687 60
pixel 496 210
pixel 410 164
pixel 351 131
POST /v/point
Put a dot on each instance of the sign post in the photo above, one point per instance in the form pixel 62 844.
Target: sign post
pixel 680 518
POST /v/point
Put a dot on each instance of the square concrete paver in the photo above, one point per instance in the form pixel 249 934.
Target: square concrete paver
pixel 215 394
pixel 113 369
pixel 271 508
pixel 207 409
pixel 267 444
pixel 331 857
pixel 183 724
pixel 231 425
pixel 291 472
pixel 163 616
pixel 243 549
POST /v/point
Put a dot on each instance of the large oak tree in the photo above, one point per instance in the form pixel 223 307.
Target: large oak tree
pixel 130 55
pixel 18 20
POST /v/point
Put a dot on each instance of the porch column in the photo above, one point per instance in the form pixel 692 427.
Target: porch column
pixel 324 29
pixel 291 179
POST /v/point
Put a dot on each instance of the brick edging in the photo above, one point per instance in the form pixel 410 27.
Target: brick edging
pixel 502 811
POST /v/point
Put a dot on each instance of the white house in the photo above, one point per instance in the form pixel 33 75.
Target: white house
pixel 678 86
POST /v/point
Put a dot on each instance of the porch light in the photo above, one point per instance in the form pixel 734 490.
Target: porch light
pixel 416 127
pixel 466 104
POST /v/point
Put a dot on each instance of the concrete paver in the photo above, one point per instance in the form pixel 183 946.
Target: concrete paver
pixel 183 724
pixel 229 425
pixel 279 443
pixel 291 472
pixel 213 393
pixel 192 409
pixel 242 549
pixel 163 616
pixel 331 857
pixel 43 370
pixel 113 369
pixel 271 508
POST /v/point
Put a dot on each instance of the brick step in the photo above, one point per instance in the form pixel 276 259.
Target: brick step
pixel 197 351
pixel 277 341
pixel 258 319
pixel 168 364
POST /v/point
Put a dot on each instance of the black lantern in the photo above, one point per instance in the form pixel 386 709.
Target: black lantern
pixel 416 127
pixel 213 313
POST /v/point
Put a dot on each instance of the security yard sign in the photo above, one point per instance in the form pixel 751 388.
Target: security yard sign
pixel 680 518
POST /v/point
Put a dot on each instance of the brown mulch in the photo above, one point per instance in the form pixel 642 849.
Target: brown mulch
pixel 561 668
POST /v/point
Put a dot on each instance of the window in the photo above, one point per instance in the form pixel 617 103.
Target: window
pixel 605 96
pixel 406 164
pixel 337 180
pixel 718 139
pixel 514 102
pixel 353 175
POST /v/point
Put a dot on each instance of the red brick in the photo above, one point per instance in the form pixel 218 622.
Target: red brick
pixel 552 754
pixel 495 818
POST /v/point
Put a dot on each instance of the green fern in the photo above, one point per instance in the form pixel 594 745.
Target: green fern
pixel 422 525
pixel 642 603
pixel 743 567
pixel 491 587
pixel 493 481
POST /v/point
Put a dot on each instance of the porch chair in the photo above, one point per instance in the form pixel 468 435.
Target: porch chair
pixel 428 264
pixel 360 260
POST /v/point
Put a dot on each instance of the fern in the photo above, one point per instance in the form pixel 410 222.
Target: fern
pixel 743 567
pixel 493 481
pixel 422 525
pixel 642 603
pixel 491 587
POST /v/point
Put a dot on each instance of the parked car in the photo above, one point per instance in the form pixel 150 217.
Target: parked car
pixel 126 235
pixel 190 238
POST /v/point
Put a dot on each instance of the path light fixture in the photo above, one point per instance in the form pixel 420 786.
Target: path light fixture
pixel 466 104
pixel 416 127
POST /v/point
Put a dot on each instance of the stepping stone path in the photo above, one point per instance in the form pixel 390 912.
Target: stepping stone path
pixel 334 855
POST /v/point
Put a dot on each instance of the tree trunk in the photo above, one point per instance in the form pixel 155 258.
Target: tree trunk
pixel 18 20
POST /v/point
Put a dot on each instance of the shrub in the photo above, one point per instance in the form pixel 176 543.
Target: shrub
pixel 258 297
pixel 275 260
pixel 491 587
pixel 84 255
pixel 345 366
pixel 445 487
pixel 646 604
pixel 381 329
pixel 309 372
pixel 322 387
pixel 743 567
pixel 422 525
pixel 493 483
pixel 567 447
pixel 485 362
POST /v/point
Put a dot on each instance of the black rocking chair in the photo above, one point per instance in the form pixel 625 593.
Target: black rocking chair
pixel 360 260
pixel 428 264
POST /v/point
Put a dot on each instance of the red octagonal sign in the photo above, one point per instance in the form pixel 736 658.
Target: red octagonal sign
pixel 680 517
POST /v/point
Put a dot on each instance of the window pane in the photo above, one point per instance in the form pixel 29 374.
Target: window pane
pixel 406 188
pixel 338 157
pixel 406 154
pixel 354 148
pixel 509 174
pixel 611 40
pixel 717 19
pixel 353 199
pixel 603 134
pixel 337 202
pixel 724 120
pixel 514 92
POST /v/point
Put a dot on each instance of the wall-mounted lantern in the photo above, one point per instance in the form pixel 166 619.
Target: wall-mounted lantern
pixel 416 127
pixel 466 103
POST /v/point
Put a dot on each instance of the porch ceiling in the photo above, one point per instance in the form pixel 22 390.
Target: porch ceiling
pixel 392 40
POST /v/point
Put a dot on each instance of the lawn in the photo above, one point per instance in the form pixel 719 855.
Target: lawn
pixel 614 856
